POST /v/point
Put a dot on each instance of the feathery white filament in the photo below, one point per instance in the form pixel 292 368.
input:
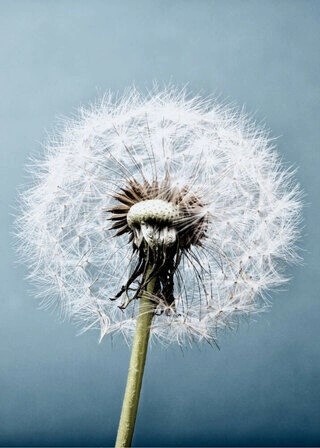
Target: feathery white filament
pixel 253 203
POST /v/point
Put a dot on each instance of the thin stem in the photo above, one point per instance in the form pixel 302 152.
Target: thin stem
pixel 136 367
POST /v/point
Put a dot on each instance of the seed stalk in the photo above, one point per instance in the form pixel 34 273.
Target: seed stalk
pixel 136 366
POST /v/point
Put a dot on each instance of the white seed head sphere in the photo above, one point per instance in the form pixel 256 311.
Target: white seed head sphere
pixel 250 204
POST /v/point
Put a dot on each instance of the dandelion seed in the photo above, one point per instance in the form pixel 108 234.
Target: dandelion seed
pixel 174 203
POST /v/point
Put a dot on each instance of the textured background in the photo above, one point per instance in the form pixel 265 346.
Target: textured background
pixel 263 387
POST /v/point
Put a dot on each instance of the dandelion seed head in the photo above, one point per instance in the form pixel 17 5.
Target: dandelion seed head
pixel 194 185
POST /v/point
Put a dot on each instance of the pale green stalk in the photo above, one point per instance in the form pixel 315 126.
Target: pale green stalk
pixel 136 367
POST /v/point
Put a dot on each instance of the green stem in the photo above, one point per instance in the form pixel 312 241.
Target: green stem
pixel 136 367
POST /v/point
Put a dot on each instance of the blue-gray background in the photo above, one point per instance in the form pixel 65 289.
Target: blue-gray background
pixel 263 387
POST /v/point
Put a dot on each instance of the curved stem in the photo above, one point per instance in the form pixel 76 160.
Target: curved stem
pixel 136 367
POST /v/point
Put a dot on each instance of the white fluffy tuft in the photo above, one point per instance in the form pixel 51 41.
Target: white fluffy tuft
pixel 254 208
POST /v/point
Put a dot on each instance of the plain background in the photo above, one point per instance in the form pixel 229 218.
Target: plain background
pixel 263 386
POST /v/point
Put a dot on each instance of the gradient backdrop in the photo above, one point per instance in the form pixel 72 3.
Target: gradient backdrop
pixel 263 386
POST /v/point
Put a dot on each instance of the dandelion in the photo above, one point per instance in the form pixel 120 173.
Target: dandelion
pixel 162 215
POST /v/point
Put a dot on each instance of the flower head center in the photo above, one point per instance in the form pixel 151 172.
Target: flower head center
pixel 153 221
pixel 163 222
pixel 157 211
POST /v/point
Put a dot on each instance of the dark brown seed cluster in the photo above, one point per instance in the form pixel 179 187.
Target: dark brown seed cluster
pixel 190 230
